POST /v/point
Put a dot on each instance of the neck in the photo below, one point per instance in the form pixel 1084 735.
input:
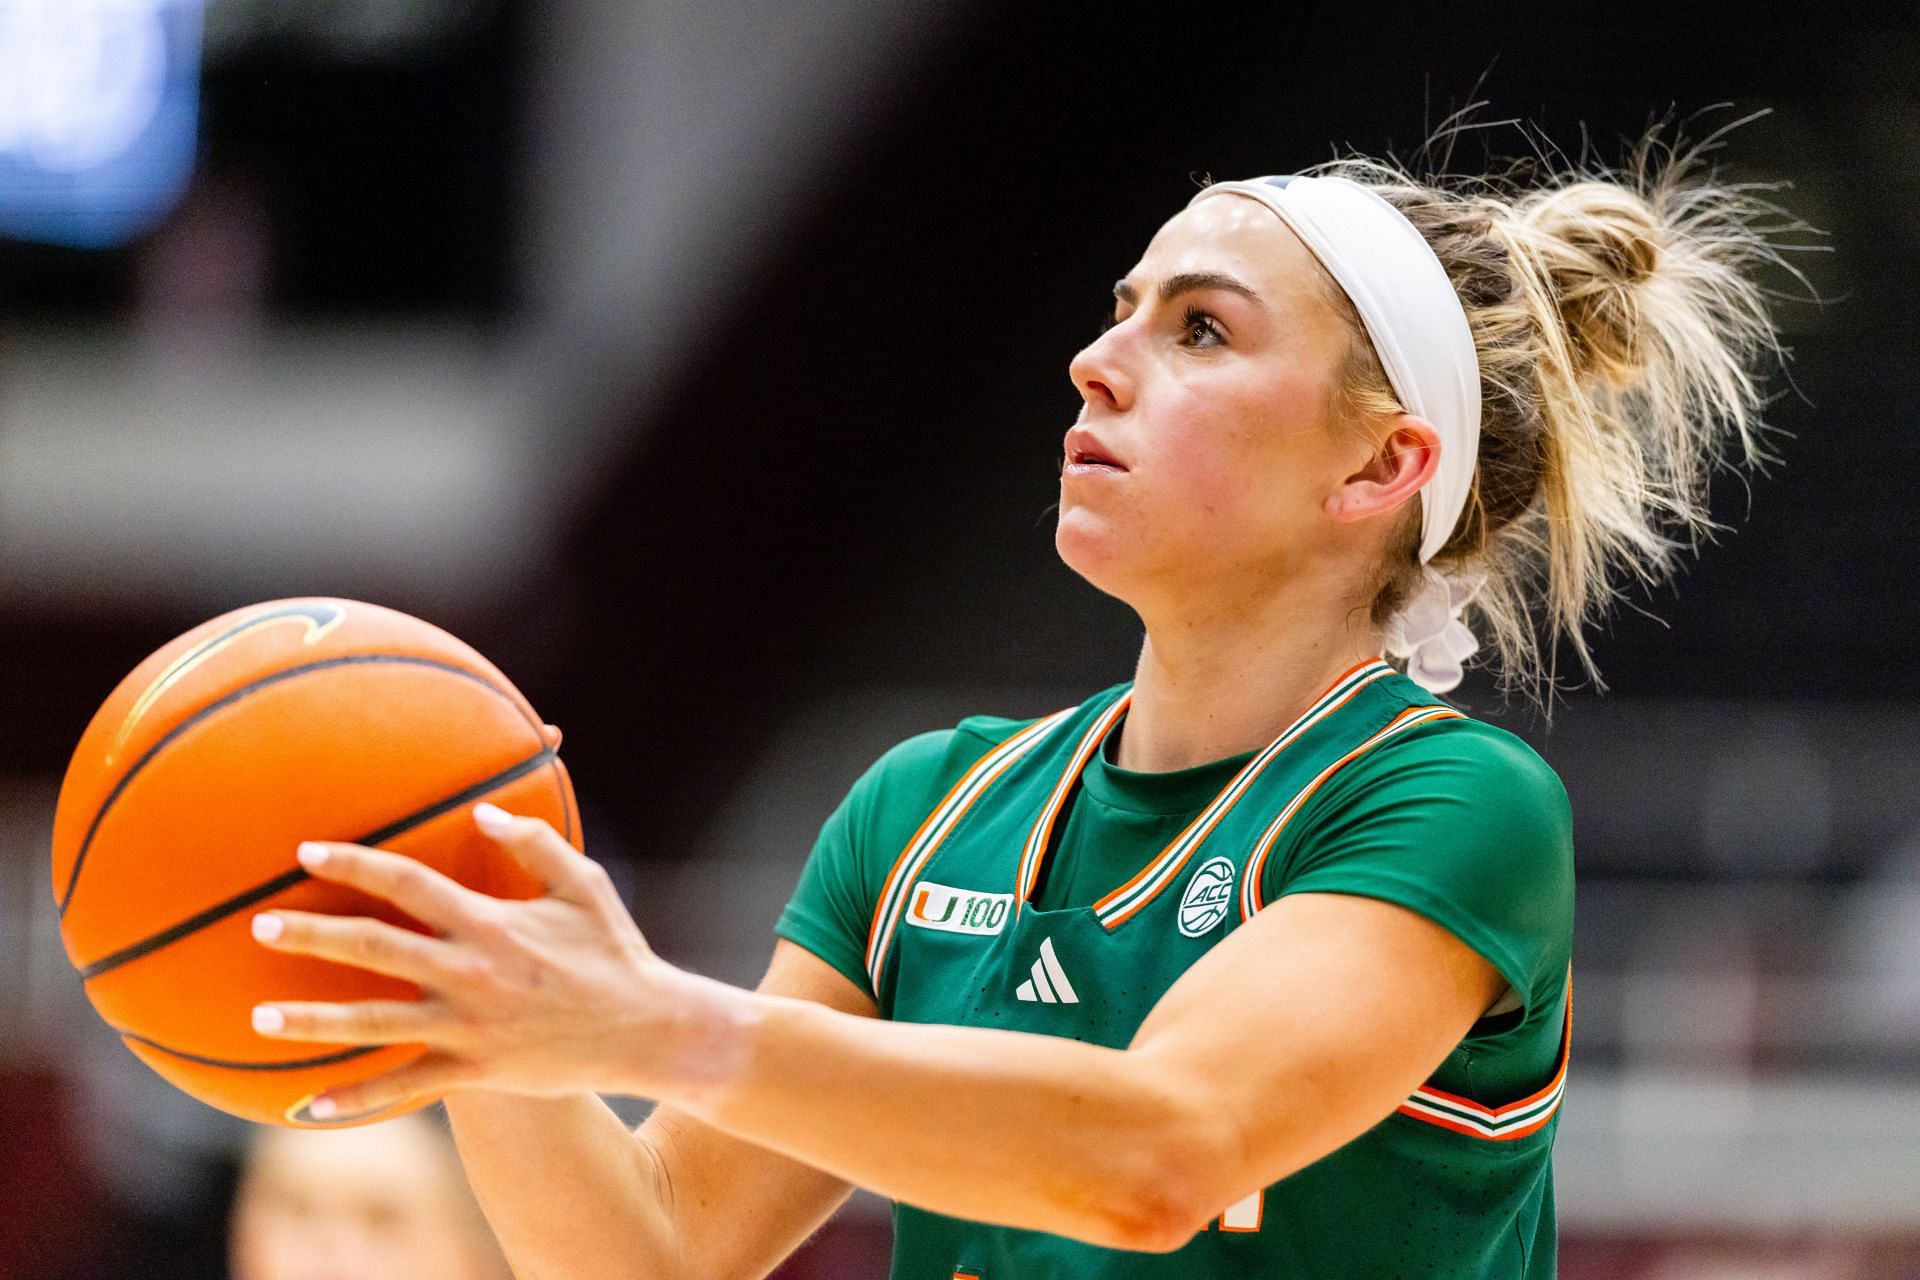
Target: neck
pixel 1209 686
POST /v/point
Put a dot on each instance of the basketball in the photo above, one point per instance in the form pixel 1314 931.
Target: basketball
pixel 180 813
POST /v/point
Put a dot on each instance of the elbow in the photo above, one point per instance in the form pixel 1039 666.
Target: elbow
pixel 1163 1197
pixel 1151 1228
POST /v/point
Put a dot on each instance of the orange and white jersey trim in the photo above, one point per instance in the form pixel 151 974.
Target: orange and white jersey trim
pixel 1498 1124
pixel 1251 896
pixel 938 825
pixel 1123 903
pixel 1042 834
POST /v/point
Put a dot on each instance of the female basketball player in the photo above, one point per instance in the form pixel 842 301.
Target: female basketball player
pixel 1260 963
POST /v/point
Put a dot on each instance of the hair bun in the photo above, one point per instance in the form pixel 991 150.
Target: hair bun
pixel 1622 332
pixel 1598 243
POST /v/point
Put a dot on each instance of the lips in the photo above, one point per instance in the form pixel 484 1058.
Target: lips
pixel 1084 450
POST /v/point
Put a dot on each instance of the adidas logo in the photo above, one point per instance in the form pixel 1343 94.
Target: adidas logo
pixel 1049 983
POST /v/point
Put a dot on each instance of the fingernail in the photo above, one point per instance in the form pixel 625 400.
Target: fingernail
pixel 313 855
pixel 491 818
pixel 267 926
pixel 267 1020
pixel 322 1108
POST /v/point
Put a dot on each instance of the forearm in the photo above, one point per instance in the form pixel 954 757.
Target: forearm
pixel 1023 1130
pixel 565 1186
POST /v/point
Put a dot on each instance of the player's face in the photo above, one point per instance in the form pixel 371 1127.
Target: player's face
pixel 1205 451
pixel 375 1203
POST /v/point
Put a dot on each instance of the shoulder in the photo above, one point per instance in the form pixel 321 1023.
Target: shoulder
pixel 876 818
pixel 1451 797
pixel 1459 758
pixel 1460 821
pixel 927 764
pixel 910 779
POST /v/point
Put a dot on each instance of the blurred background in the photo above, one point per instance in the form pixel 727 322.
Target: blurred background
pixel 705 365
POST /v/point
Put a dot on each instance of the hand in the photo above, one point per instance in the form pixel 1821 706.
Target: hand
pixel 552 995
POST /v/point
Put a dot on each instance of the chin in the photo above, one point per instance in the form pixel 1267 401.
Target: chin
pixel 1091 549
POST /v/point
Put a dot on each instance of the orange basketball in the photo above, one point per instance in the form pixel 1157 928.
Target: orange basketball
pixel 190 790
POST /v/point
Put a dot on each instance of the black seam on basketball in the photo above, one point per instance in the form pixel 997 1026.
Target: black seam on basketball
pixel 227 700
pixel 287 879
pixel 566 810
pixel 296 1064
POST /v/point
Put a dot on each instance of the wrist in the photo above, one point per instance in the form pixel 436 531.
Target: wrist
pixel 696 1041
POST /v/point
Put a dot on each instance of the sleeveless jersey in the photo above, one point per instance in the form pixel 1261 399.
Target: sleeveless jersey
pixel 960 930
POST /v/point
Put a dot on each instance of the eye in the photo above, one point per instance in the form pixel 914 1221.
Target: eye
pixel 1198 328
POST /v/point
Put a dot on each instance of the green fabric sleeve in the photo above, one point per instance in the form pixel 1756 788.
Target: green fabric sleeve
pixel 832 906
pixel 1461 822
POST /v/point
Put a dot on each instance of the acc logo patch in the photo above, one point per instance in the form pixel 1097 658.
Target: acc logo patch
pixel 1207 898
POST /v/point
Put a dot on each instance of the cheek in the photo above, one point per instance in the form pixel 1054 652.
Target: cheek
pixel 1247 467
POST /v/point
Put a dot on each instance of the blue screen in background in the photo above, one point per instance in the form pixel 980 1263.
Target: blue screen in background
pixel 99 101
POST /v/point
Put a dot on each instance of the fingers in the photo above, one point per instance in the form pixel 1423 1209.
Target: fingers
pixel 362 1022
pixel 427 1076
pixel 358 941
pixel 417 889
pixel 536 846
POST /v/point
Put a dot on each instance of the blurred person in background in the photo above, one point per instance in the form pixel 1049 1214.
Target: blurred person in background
pixel 1261 962
pixel 380 1202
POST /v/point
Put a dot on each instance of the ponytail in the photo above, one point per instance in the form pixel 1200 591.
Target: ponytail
pixel 1619 320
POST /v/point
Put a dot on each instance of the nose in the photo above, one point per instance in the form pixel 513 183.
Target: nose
pixel 1099 371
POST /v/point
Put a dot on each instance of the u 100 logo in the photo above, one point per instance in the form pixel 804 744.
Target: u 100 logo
pixel 948 910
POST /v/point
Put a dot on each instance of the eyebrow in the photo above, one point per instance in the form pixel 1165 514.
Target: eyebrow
pixel 1187 282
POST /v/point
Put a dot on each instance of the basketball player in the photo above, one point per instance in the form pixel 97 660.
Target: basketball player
pixel 384 1202
pixel 1256 965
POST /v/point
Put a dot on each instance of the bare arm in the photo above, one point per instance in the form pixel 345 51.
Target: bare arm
pixel 1296 1034
pixel 1292 1036
pixel 573 1195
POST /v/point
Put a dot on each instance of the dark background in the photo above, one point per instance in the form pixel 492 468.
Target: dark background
pixel 871 430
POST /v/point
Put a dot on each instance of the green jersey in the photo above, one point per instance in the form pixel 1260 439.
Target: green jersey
pixel 1005 874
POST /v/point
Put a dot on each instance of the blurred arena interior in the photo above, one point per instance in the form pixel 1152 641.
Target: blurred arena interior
pixel 704 365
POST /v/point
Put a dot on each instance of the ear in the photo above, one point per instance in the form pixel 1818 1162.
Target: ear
pixel 1404 460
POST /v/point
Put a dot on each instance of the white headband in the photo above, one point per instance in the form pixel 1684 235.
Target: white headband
pixel 1419 330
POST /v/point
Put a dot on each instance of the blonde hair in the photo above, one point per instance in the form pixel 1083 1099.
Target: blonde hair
pixel 1618 320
